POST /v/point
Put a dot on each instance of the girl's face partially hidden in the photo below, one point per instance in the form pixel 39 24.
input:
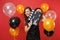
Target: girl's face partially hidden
pixel 27 12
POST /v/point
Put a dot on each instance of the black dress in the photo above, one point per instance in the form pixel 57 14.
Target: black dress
pixel 33 33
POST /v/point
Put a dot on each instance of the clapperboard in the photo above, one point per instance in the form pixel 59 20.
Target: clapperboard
pixel 35 17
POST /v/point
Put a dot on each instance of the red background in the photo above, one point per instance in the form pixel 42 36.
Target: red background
pixel 4 20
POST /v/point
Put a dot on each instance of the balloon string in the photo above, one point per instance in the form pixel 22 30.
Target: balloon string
pixel 14 38
pixel 14 35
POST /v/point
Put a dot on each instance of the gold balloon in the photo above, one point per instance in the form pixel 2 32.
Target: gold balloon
pixel 44 7
pixel 14 32
pixel 20 8
pixel 48 24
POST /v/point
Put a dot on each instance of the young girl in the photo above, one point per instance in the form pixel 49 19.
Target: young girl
pixel 32 30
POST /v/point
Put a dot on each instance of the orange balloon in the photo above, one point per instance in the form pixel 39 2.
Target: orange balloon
pixel 14 32
pixel 48 24
pixel 44 7
pixel 20 8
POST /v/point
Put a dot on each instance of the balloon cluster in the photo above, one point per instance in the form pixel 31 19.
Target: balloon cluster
pixel 14 24
pixel 49 17
pixel 10 9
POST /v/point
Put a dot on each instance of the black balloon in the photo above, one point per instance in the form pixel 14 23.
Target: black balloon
pixel 49 34
pixel 14 22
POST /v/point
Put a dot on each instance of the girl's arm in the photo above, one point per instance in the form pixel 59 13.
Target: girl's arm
pixel 28 27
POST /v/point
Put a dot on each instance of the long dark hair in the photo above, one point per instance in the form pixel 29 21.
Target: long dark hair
pixel 26 18
pixel 38 8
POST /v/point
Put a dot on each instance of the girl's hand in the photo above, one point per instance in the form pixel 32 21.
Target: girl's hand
pixel 30 23
pixel 28 27
pixel 43 18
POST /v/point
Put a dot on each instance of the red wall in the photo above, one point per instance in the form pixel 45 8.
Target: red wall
pixel 4 20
